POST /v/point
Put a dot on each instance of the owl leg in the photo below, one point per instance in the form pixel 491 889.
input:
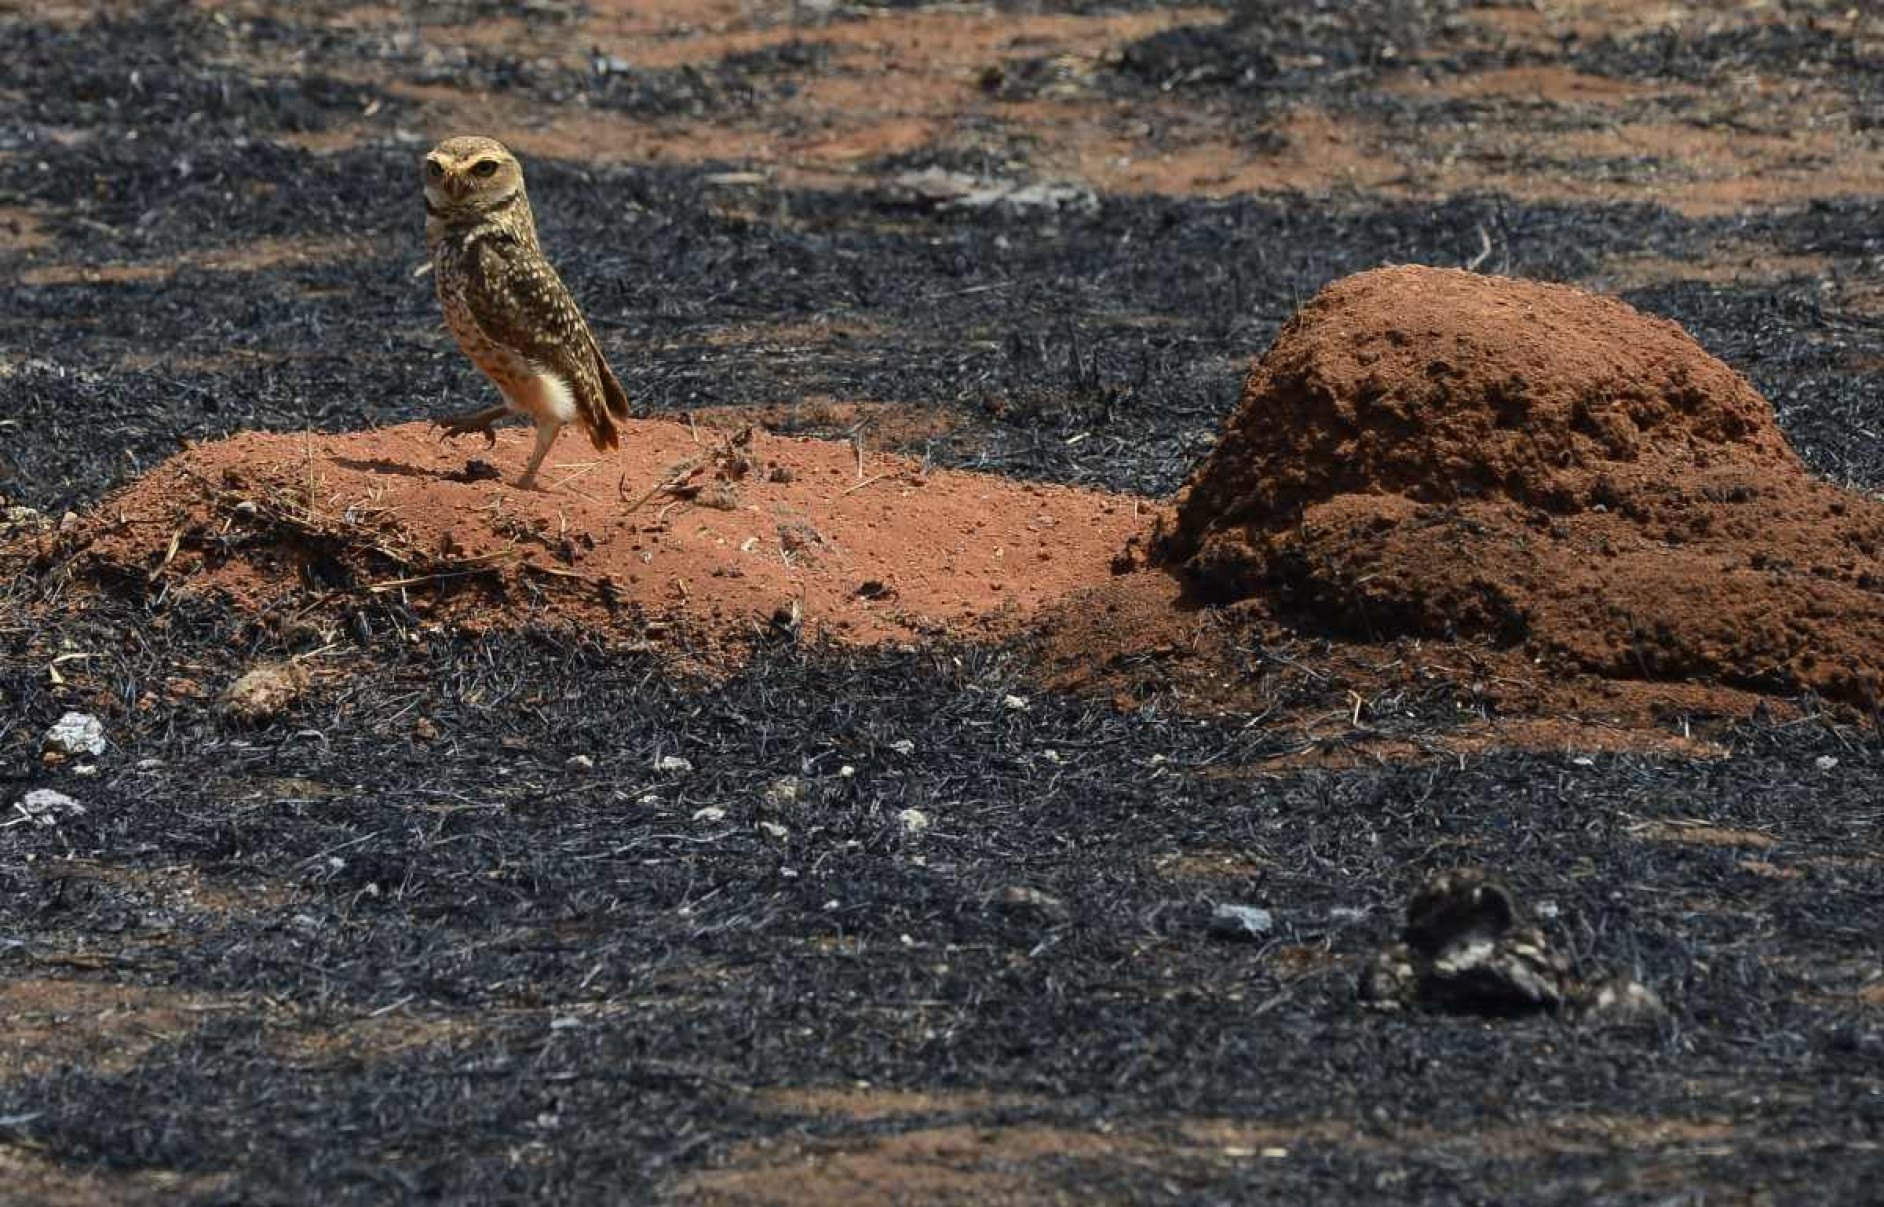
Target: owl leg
pixel 546 432
pixel 474 421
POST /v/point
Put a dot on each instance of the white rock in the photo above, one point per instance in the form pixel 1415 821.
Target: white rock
pixel 673 763
pixel 1241 921
pixel 710 813
pixel 1825 762
pixel 1015 703
pixel 915 821
pixel 77 733
pixel 579 762
pixel 46 807
pixel 903 747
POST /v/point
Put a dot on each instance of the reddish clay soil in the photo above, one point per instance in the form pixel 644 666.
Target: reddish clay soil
pixel 866 548
pixel 1435 455
pixel 1530 507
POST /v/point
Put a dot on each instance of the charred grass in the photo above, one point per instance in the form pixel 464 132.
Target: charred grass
pixel 396 945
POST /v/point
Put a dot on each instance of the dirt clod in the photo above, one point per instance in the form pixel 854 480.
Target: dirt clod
pixel 264 692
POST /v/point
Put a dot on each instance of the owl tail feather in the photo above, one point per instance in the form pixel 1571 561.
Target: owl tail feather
pixel 614 405
pixel 612 394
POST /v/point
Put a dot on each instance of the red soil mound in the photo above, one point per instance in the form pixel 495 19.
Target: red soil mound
pixel 1444 497
pixel 754 525
pixel 1431 453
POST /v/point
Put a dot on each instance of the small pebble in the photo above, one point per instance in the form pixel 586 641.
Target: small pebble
pixel 1019 899
pixel 785 790
pixel 1619 1002
pixel 264 692
pixel 1241 922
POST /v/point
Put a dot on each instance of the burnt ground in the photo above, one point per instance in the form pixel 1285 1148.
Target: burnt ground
pixel 394 946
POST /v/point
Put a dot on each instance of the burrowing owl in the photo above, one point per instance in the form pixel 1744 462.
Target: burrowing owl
pixel 510 311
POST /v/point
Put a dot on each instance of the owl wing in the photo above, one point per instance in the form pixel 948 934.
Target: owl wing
pixel 521 304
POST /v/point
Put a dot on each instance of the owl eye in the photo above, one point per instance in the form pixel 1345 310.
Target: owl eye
pixel 484 167
pixel 434 169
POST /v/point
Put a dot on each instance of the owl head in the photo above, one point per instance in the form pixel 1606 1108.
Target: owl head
pixel 470 173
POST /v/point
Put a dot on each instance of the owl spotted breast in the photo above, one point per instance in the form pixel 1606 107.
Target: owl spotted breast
pixel 507 307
